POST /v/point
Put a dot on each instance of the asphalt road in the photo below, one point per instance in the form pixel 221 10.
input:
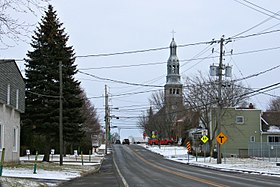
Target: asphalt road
pixel 140 167
pixel 132 165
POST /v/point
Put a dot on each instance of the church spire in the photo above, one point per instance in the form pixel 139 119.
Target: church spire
pixel 173 75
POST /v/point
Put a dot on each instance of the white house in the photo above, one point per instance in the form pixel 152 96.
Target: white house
pixel 12 97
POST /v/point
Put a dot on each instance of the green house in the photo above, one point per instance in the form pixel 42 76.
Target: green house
pixel 240 126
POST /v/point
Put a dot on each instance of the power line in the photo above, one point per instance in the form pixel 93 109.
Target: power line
pixel 186 60
pixel 120 82
pixel 256 8
pixel 43 95
pixel 257 74
pixel 261 7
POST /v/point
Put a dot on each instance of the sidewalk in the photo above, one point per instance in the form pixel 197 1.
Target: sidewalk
pixel 106 177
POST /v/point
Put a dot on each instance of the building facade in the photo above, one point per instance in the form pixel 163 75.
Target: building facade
pixel 12 97
pixel 241 126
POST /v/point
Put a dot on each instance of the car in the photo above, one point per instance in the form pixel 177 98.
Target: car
pixel 126 141
pixel 117 142
pixel 162 142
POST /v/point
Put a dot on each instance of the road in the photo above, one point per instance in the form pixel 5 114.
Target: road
pixel 140 167
pixel 134 166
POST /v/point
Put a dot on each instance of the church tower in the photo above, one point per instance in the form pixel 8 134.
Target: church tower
pixel 173 88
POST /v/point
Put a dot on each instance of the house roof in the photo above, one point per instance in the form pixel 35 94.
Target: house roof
pixel 271 122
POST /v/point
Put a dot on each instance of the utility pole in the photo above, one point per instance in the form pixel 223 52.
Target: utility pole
pixel 60 115
pixel 106 120
pixel 220 74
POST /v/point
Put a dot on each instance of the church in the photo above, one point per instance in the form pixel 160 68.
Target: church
pixel 173 120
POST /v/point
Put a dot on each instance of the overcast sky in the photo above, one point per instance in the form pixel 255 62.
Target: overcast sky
pixel 111 26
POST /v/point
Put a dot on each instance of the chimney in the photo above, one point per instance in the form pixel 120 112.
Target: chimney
pixel 251 106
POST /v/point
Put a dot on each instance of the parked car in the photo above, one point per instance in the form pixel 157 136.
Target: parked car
pixel 162 142
pixel 126 141
pixel 117 142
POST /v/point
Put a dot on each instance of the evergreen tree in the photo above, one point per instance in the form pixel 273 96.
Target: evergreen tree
pixel 91 125
pixel 41 120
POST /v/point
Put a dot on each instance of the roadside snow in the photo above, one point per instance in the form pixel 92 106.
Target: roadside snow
pixel 49 174
pixel 249 165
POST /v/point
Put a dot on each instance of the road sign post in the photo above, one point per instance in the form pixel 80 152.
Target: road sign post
pixel 204 139
pixel 221 139
pixel 189 149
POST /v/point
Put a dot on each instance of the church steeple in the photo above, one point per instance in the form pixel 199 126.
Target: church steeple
pixel 173 87
pixel 173 71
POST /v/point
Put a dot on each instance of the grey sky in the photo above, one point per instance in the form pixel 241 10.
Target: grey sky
pixel 109 26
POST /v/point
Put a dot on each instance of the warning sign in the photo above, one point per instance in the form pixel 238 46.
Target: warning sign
pixel 221 138
pixel 204 139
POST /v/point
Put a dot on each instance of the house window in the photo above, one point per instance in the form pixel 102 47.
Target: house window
pixel 273 139
pixel 252 139
pixel 8 94
pixel 15 134
pixel 239 119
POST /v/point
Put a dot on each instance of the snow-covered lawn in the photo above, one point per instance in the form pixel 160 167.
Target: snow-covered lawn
pixel 48 174
pixel 248 165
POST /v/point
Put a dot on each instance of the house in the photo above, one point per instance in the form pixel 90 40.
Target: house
pixel 271 127
pixel 12 97
pixel 269 146
pixel 241 126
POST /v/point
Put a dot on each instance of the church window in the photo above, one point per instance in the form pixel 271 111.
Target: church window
pixel 169 69
pixel 174 91
pixel 170 91
pixel 178 91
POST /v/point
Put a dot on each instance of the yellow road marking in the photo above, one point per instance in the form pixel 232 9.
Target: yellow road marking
pixel 181 174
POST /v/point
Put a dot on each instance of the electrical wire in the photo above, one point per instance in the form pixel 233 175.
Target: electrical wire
pixel 257 9
pixel 120 82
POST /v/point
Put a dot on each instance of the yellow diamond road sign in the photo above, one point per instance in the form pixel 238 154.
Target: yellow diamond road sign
pixel 221 138
pixel 204 139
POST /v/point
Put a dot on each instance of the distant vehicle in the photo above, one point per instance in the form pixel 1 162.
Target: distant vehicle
pixel 117 142
pixel 162 142
pixel 125 141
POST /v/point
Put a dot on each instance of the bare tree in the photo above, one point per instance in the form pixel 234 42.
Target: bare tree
pixel 156 118
pixel 201 95
pixel 157 100
pixel 274 104
pixel 13 27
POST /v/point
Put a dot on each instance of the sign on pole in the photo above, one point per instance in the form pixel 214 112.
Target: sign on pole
pixel 189 146
pixel 221 138
pixel 204 139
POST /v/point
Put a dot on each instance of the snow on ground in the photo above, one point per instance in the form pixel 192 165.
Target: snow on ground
pixel 48 174
pixel 51 174
pixel 249 165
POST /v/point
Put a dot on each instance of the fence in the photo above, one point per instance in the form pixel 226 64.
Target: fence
pixel 264 150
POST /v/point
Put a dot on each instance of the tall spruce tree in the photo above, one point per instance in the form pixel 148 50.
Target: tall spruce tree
pixel 41 120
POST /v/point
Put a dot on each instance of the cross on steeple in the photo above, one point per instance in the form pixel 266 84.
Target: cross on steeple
pixel 173 33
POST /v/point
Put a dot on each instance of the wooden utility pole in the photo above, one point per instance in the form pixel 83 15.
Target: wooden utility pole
pixel 60 115
pixel 106 120
pixel 220 74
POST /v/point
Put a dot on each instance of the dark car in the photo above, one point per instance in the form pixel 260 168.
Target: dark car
pixel 117 142
pixel 125 141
